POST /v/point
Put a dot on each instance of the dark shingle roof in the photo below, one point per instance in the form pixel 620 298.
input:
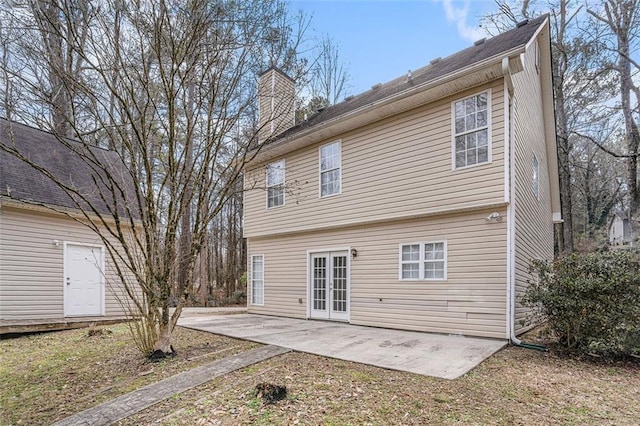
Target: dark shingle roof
pixel 22 182
pixel 479 52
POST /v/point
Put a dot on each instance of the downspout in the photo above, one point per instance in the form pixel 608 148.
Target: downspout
pixel 510 196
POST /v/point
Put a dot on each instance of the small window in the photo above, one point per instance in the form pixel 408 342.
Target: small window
pixel 471 130
pixel 536 178
pixel 423 261
pixel 275 184
pixel 330 169
pixel 257 280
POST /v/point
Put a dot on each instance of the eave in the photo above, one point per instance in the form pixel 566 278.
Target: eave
pixel 74 214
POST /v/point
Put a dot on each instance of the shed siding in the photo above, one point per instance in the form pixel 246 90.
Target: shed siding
pixel 471 301
pixel 533 218
pixel 396 167
pixel 31 267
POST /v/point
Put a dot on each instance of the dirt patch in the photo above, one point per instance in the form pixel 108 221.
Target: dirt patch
pixel 270 393
pixel 46 377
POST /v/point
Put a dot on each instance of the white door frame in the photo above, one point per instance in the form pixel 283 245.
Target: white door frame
pixel 329 250
pixel 65 274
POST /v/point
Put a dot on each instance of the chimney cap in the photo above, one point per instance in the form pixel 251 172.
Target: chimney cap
pixel 278 70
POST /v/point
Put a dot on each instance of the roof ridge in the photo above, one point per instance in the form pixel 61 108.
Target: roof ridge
pixel 473 54
pixel 68 139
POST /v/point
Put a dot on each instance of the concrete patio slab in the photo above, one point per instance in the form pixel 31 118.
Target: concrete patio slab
pixel 436 355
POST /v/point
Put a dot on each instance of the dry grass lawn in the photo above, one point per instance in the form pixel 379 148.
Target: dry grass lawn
pixel 47 377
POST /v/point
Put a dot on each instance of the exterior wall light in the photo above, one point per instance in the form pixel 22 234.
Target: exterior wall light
pixel 494 216
pixel 354 253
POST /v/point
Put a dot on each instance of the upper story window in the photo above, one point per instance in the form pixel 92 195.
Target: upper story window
pixel 275 184
pixel 536 177
pixel 471 130
pixel 423 261
pixel 330 169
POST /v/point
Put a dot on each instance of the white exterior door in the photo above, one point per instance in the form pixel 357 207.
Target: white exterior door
pixel 83 292
pixel 329 281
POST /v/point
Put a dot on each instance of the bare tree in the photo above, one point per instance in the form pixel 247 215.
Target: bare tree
pixel 622 18
pixel 38 31
pixel 329 74
pixel 597 187
pixel 581 88
pixel 167 84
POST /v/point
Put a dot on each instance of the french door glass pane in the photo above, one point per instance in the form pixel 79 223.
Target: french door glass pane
pixel 339 283
pixel 320 283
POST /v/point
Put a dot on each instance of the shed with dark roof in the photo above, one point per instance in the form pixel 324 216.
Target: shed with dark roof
pixel 52 266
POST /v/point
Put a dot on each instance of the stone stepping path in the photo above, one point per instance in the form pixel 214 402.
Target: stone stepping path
pixel 126 405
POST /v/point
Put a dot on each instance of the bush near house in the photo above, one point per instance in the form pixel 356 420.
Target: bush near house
pixel 591 301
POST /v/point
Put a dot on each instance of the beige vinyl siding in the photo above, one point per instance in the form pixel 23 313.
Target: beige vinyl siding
pixel 397 167
pixel 533 218
pixel 31 266
pixel 471 301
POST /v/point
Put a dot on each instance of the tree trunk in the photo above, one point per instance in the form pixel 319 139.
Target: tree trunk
pixel 565 242
pixel 163 344
pixel 51 31
pixel 622 20
pixel 631 128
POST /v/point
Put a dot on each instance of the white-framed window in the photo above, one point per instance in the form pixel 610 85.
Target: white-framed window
pixel 257 279
pixel 471 133
pixel 330 169
pixel 536 177
pixel 423 261
pixel 275 184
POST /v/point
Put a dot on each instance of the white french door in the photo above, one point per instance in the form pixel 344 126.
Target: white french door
pixel 329 281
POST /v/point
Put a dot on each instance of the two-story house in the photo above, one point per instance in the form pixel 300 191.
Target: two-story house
pixel 415 205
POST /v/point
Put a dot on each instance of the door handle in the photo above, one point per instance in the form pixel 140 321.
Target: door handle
pixel 68 281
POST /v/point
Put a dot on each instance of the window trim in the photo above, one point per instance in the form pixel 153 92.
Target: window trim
pixel 267 186
pixel 422 261
pixel 253 279
pixel 489 130
pixel 536 177
pixel 320 171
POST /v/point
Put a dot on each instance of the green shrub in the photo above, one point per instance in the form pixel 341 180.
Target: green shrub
pixel 591 301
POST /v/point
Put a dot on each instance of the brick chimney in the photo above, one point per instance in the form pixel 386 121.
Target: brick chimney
pixel 276 103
